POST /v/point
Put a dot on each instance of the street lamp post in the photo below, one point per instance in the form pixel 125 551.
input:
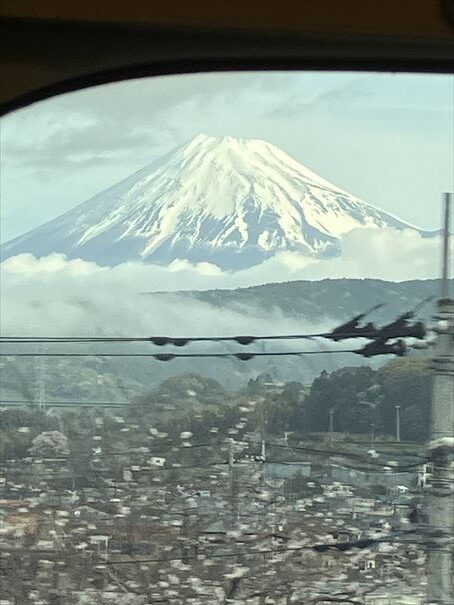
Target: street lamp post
pixel 397 423
pixel 331 426
pixel 372 435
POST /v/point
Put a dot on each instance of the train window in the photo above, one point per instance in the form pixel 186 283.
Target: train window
pixel 217 294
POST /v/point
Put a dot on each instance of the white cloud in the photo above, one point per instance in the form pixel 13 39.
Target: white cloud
pixel 74 296
pixel 382 254
pixel 30 267
pixel 114 302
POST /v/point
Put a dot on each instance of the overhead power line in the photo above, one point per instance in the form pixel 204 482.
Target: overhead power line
pixel 14 403
pixel 331 452
pixel 165 340
pixel 399 328
pixel 178 466
pixel 323 547
pixel 169 356
pixel 370 350
pixel 415 330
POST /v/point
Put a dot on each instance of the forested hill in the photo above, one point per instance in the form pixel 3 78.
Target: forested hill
pixel 331 298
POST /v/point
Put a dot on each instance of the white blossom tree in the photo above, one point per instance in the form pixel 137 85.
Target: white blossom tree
pixel 50 443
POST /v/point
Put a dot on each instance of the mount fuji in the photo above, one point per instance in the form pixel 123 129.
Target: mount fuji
pixel 228 201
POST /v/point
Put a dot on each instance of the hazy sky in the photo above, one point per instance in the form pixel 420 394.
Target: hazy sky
pixel 386 138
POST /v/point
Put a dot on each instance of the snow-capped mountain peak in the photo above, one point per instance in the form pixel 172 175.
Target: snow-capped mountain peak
pixel 230 201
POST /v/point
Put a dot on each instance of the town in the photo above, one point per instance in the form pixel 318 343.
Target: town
pixel 145 503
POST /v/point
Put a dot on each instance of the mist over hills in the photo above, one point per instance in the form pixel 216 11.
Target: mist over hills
pixel 329 299
pixel 275 308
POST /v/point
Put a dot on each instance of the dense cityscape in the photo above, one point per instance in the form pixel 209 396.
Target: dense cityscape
pixel 151 503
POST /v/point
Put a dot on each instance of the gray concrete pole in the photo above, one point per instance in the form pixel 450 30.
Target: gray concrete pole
pixel 331 426
pixel 446 246
pixel 440 563
pixel 372 435
pixel 397 422
pixel 231 471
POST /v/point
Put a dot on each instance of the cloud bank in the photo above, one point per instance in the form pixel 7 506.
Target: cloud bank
pixel 79 297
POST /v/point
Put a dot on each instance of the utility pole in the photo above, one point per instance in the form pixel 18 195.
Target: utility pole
pixel 40 372
pixel 372 435
pixel 331 426
pixel 233 491
pixel 440 570
pixel 397 423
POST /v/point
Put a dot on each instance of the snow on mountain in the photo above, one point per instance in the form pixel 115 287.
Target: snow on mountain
pixel 233 202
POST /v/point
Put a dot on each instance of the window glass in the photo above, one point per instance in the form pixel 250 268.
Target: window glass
pixel 198 401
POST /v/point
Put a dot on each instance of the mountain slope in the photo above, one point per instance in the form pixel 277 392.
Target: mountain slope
pixel 232 202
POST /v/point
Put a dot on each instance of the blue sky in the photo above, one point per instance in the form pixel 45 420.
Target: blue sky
pixel 386 138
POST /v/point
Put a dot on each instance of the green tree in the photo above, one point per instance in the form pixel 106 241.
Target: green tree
pixel 340 391
pixel 406 382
